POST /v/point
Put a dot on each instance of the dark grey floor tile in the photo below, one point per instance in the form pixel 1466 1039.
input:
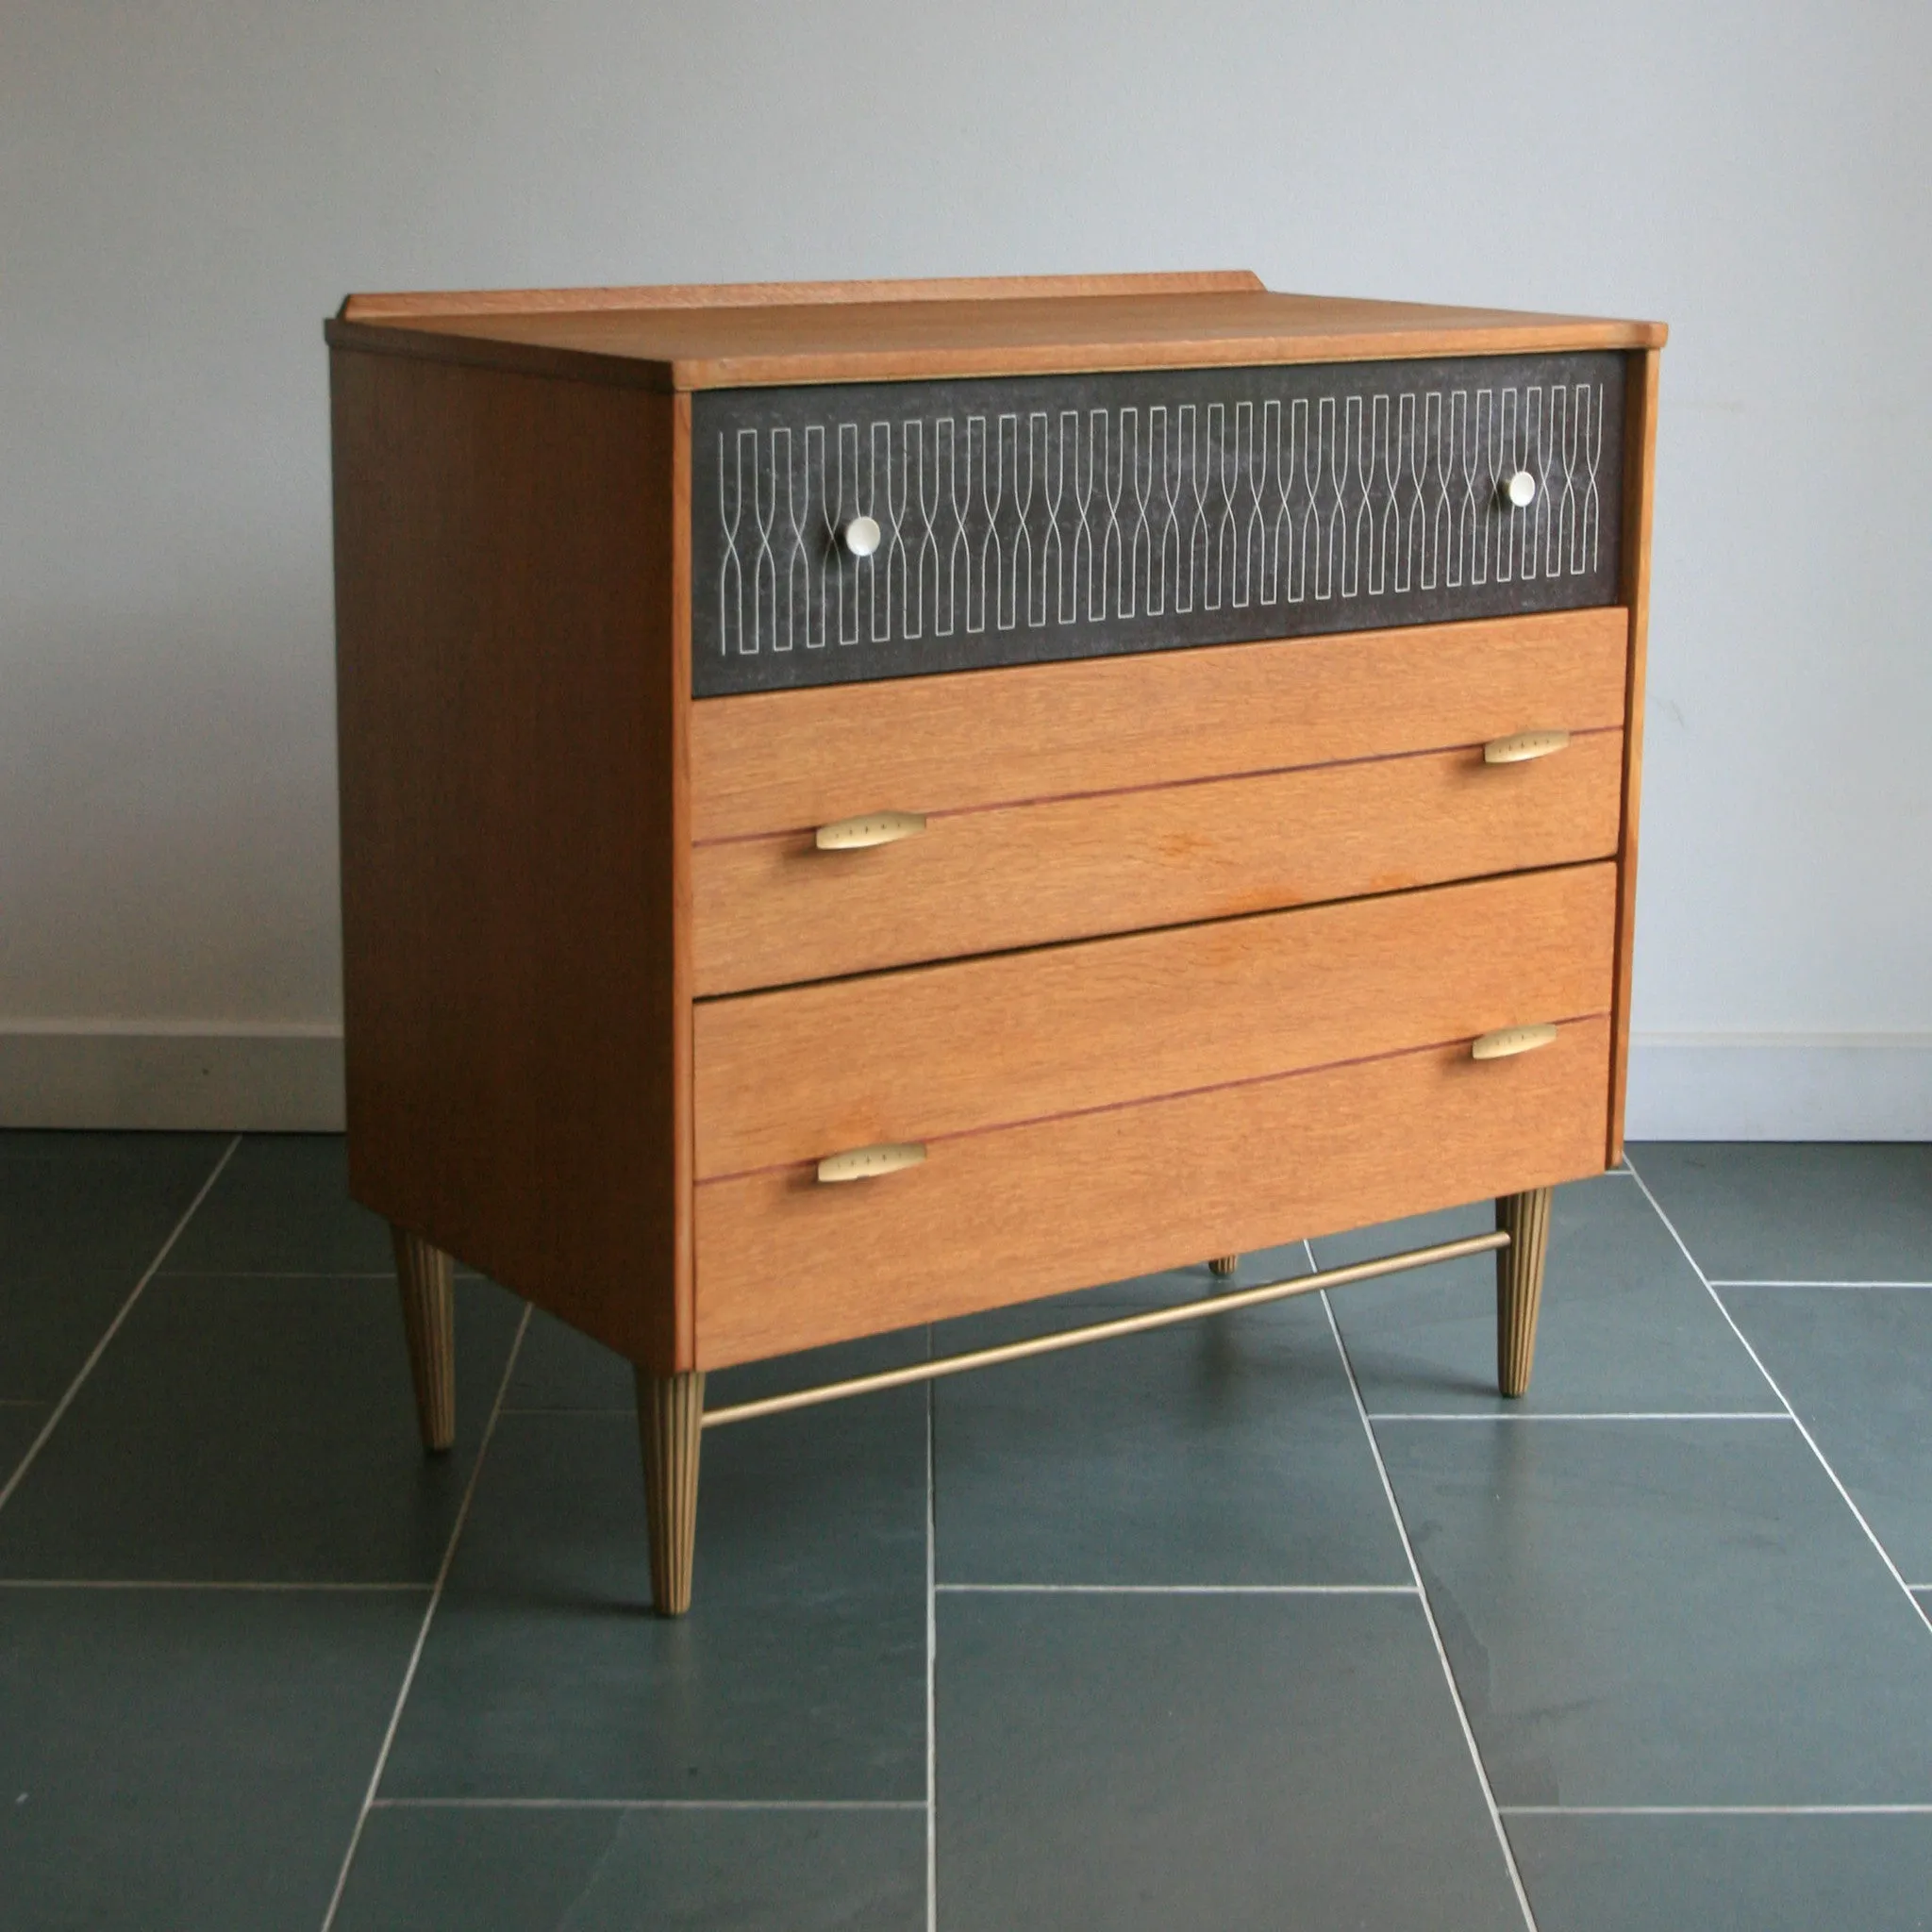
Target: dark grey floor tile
pixel 1625 1323
pixel 1769 1875
pixel 1797 1211
pixel 187 1762
pixel 260 1430
pixel 82 1217
pixel 1857 1364
pixel 560 1368
pixel 1153 1761
pixel 1227 1452
pixel 20 1423
pixel 1665 1613
pixel 800 1671
pixel 282 1206
pixel 607 1871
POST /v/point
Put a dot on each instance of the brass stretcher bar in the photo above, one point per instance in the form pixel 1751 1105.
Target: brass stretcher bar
pixel 1106 1331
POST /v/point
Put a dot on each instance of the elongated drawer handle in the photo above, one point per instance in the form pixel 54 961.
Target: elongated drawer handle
pixel 1522 746
pixel 867 1163
pixel 869 829
pixel 1506 1040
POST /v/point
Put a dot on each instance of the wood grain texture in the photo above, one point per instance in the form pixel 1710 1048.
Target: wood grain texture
pixel 943 1050
pixel 1001 1217
pixel 749 345
pixel 426 1282
pixel 776 761
pixel 1640 468
pixel 791 295
pixel 678 673
pixel 505 666
pixel 776 911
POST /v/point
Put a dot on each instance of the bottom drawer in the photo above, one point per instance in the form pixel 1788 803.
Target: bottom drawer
pixel 785 1261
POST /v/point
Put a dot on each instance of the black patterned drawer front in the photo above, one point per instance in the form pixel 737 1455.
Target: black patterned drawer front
pixel 1047 517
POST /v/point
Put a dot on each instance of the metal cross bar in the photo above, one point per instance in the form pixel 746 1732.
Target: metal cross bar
pixel 1105 1331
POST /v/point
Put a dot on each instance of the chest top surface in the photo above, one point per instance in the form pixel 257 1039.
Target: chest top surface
pixel 759 334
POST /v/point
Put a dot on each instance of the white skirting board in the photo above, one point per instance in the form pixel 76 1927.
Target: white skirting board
pixel 258 1078
pixel 289 1079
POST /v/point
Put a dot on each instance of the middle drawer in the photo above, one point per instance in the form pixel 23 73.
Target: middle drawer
pixel 788 1076
pixel 1064 800
pixel 776 911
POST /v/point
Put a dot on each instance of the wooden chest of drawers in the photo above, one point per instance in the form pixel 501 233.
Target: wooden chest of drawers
pixel 1119 767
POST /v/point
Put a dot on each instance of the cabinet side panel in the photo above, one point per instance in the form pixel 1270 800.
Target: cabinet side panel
pixel 505 703
pixel 1639 465
pixel 676 672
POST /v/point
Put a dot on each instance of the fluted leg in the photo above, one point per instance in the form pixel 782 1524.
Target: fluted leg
pixel 1525 1219
pixel 426 1277
pixel 671 1411
pixel 1225 1264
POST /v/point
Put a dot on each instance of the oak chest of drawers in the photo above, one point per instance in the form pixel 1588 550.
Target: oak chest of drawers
pixel 867 802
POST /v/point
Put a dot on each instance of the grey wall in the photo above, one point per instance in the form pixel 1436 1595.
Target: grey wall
pixel 186 189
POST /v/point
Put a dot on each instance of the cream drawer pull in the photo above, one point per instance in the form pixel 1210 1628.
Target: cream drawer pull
pixel 869 829
pixel 1506 1040
pixel 861 536
pixel 1524 746
pixel 866 1163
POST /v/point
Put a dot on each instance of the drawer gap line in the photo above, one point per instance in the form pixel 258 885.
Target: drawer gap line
pixel 1106 1331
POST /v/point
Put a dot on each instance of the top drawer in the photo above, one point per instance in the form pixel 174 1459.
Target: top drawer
pixel 1071 516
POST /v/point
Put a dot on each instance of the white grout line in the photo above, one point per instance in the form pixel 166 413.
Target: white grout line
pixel 932 1652
pixel 1716 1283
pixel 1717 1810
pixel 395 1716
pixel 1770 1380
pixel 1476 1756
pixel 648 1805
pixel 100 1348
pixel 1605 1415
pixel 1179 1589
pixel 173 1583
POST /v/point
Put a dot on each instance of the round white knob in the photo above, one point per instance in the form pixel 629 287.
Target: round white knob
pixel 1521 490
pixel 861 535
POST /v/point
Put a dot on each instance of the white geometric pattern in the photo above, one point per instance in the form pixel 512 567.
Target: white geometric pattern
pixel 1028 520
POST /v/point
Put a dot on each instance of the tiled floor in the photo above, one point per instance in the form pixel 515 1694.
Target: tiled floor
pixel 1281 1621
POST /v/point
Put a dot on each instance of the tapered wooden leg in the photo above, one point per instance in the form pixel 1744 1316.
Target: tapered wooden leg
pixel 671 1412
pixel 1525 1219
pixel 1225 1264
pixel 425 1276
